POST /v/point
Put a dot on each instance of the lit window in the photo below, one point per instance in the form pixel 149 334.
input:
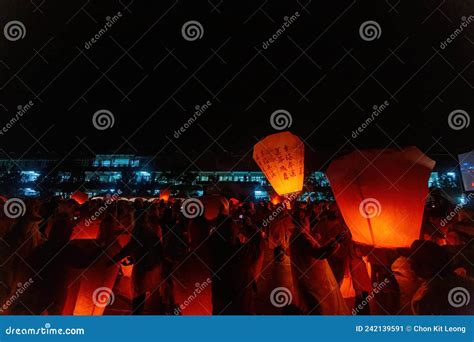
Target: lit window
pixel 121 162
pixel 451 174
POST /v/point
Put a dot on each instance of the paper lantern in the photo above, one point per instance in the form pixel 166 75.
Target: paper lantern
pixel 347 287
pixel 83 230
pixel 381 194
pixel 213 204
pixel 275 199
pixel 91 279
pixel 281 158
pixel 234 201
pixel 165 195
pixel 80 197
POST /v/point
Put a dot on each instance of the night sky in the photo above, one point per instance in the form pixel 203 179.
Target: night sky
pixel 151 79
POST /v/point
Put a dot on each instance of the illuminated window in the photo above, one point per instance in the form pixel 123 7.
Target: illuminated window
pixel 143 176
pixel 120 162
pixel 29 176
pixel 433 181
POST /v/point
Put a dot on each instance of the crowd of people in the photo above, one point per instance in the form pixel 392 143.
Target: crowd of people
pixel 331 274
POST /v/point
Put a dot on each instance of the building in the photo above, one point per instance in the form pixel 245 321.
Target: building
pixel 142 176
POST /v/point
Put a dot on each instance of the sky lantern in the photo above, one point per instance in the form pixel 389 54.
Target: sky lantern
pixel 90 279
pixel 165 194
pixel 90 292
pixel 86 229
pixel 275 199
pixel 80 197
pixel 382 194
pixel 212 205
pixel 281 158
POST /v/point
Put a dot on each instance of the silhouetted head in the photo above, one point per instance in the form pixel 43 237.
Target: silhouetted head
pixel 427 259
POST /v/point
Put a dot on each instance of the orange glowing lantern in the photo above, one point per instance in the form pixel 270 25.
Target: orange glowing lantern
pixel 90 280
pixel 165 195
pixel 214 205
pixel 80 197
pixel 95 293
pixel 86 229
pixel 275 199
pixel 281 158
pixel 381 194
pixel 234 201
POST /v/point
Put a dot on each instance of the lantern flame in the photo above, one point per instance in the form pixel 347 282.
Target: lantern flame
pixel 275 200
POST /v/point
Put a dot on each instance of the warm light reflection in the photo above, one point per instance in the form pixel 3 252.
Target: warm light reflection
pixel 80 197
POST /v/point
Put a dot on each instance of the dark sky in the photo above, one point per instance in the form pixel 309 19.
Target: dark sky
pixel 150 78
